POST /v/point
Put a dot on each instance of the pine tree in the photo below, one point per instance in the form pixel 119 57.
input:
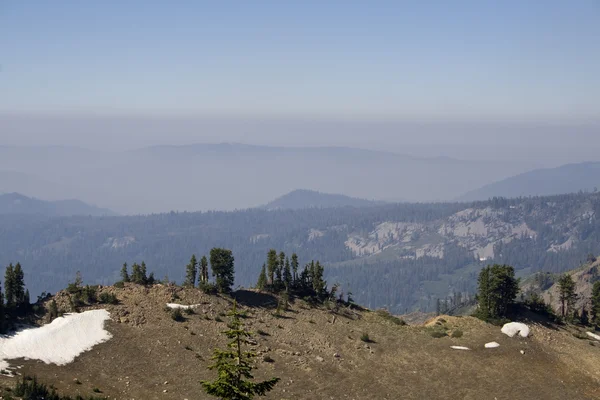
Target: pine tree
pixel 566 293
pixel 2 315
pixel 272 265
pixel 595 310
pixel 9 286
pixel 204 270
pixel 144 277
pixel 124 273
pixel 52 310
pixel 19 288
pixel 279 271
pixel 287 275
pixel 497 291
pixel 191 272
pixel 136 273
pixel 262 278
pixel 318 284
pixel 295 269
pixel 234 366
pixel 584 318
pixel 222 265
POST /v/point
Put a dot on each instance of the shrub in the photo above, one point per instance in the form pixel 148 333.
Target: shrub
pixel 189 311
pixel 385 314
pixel 365 338
pixel 436 331
pixel 119 284
pixel 457 333
pixel 96 390
pixel 218 319
pixel 108 298
pixel 268 359
pixel 176 315
pixel 208 288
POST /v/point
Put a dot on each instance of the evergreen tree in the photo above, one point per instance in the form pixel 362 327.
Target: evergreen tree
pixel 19 288
pixel 9 286
pixel 144 277
pixel 272 262
pixel 262 278
pixel 584 318
pixel 234 367
pixel 566 294
pixel 204 270
pixel 191 272
pixel 2 315
pixel 52 310
pixel 222 265
pixel 295 268
pixel 136 273
pixel 279 271
pixel 595 311
pixel 497 291
pixel 287 275
pixel 124 273
pixel 318 284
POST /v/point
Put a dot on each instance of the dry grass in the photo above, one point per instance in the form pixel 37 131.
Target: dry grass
pixel 318 357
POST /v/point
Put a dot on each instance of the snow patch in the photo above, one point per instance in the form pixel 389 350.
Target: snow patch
pixel 593 335
pixel 512 328
pixel 459 348
pixel 491 345
pixel 58 342
pixel 173 306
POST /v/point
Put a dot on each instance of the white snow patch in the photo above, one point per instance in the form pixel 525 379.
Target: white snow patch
pixel 491 345
pixel 173 306
pixel 58 342
pixel 459 348
pixel 593 335
pixel 512 328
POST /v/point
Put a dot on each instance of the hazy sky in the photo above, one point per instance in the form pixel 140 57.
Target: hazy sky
pixel 469 60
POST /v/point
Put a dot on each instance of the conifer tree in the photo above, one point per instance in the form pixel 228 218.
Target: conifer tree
pixel 272 262
pixel 319 285
pixel 190 272
pixel 19 288
pixel 2 315
pixel 234 366
pixel 222 265
pixel 287 274
pixel 295 268
pixel 204 270
pixel 136 273
pixel 144 277
pixel 52 310
pixel 9 286
pixel 124 273
pixel 595 310
pixel 497 291
pixel 262 278
pixel 566 294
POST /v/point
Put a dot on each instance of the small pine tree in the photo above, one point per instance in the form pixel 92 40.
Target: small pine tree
pixel 584 318
pixel 287 275
pixel 234 366
pixel 566 293
pixel 9 286
pixel 2 326
pixel 19 282
pixel 204 270
pixel 262 278
pixel 595 310
pixel 294 269
pixel 272 263
pixel 124 273
pixel 222 264
pixel 52 310
pixel 191 270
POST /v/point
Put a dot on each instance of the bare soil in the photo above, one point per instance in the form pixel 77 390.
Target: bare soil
pixel 319 355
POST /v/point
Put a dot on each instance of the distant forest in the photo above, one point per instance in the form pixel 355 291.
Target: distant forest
pixel 53 249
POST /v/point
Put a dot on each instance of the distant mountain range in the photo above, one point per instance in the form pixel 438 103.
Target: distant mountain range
pixel 302 198
pixel 568 178
pixel 231 176
pixel 15 203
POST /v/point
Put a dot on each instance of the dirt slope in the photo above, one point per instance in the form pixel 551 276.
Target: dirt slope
pixel 318 356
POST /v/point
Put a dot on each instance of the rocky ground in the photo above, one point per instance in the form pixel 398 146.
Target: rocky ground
pixel 319 354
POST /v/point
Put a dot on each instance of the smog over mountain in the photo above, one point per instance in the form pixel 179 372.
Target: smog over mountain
pixel 380 186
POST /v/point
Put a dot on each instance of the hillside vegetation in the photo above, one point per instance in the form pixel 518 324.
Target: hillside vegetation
pixel 402 256
pixel 302 198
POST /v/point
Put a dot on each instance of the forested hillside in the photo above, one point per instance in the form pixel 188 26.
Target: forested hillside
pixel 402 256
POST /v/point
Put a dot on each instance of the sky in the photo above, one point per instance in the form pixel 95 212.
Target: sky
pixel 344 60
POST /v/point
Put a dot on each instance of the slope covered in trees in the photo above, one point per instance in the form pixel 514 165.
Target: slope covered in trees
pixel 302 198
pixel 402 256
pixel 15 203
